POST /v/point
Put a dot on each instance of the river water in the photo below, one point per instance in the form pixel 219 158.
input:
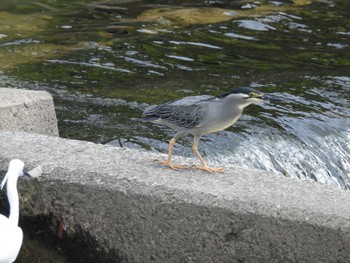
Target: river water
pixel 104 62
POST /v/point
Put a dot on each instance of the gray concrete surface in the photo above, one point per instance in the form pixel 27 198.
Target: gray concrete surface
pixel 29 111
pixel 144 212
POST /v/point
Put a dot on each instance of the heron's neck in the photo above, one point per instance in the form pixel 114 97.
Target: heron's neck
pixel 230 103
pixel 12 195
pixel 235 103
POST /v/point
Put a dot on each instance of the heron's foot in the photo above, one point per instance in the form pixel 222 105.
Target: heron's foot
pixel 174 166
pixel 210 169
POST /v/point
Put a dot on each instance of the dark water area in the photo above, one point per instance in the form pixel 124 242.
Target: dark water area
pixel 105 61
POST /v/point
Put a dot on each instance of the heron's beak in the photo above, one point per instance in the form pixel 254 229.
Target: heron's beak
pixel 259 97
pixel 256 96
pixel 25 173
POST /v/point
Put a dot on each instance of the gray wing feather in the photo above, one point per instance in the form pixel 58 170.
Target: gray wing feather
pixel 186 112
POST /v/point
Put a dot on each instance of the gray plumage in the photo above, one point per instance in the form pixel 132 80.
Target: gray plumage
pixel 186 113
pixel 200 115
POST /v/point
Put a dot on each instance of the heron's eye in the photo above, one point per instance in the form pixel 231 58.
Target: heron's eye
pixel 254 95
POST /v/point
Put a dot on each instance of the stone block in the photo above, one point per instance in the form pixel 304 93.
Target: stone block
pixel 136 210
pixel 28 111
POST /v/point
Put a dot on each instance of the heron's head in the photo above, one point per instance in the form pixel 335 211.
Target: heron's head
pixel 245 96
pixel 249 94
pixel 16 168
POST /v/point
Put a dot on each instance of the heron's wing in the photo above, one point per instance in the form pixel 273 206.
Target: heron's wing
pixel 186 112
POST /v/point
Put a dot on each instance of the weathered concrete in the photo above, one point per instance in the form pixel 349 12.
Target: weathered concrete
pixel 29 111
pixel 148 213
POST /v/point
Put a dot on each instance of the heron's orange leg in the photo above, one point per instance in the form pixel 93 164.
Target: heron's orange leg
pixel 169 161
pixel 204 165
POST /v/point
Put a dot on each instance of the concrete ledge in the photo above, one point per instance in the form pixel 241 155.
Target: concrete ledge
pixel 29 111
pixel 143 212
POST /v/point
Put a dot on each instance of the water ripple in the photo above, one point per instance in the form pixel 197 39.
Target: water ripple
pixel 142 62
pixel 240 36
pixel 180 57
pixel 254 25
pixel 88 65
pixel 194 44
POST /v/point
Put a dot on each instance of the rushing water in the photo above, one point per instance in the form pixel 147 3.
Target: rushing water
pixel 105 62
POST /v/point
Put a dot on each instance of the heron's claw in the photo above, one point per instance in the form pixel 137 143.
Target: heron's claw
pixel 210 169
pixel 173 166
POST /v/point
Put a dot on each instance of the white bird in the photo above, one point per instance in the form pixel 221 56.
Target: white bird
pixel 11 235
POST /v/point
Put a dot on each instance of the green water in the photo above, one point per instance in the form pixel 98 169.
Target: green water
pixel 105 61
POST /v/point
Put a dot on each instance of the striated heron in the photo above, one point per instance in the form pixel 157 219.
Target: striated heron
pixel 198 115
